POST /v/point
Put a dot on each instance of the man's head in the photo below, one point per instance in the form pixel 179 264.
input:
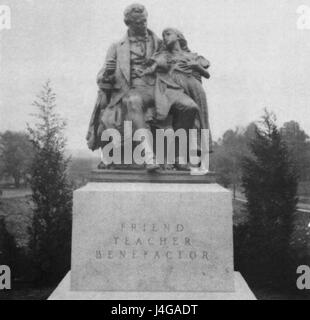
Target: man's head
pixel 135 17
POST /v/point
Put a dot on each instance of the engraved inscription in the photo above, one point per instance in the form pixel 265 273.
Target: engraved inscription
pixel 151 241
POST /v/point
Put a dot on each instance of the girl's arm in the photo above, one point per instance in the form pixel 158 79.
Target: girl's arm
pixel 150 70
pixel 158 61
pixel 200 65
pixel 203 71
pixel 204 65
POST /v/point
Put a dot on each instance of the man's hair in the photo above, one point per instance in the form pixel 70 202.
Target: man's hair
pixel 134 11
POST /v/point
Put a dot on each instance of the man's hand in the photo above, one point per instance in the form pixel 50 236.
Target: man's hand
pixel 110 66
pixel 139 72
pixel 147 72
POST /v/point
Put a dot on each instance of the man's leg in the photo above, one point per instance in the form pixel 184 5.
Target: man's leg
pixel 134 104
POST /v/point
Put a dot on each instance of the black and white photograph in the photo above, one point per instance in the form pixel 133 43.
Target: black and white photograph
pixel 154 150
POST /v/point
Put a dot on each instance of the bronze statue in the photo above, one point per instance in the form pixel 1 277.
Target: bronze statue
pixel 131 94
pixel 153 83
pixel 179 84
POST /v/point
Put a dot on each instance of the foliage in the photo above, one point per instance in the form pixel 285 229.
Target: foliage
pixel 299 147
pixel 8 248
pixel 50 234
pixel 16 154
pixel 270 185
pixel 228 153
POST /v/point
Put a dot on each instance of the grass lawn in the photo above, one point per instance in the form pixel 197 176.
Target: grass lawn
pixel 26 294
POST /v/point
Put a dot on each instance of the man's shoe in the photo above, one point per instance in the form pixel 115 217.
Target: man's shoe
pixel 182 167
pixel 167 167
pixel 103 166
pixel 198 171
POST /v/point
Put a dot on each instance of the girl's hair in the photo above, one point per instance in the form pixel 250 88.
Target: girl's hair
pixel 180 35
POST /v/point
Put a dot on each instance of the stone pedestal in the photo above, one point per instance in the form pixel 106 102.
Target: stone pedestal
pixel 64 292
pixel 169 176
pixel 152 237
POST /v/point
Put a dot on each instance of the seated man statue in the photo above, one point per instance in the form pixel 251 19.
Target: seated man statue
pixel 127 91
pixel 130 95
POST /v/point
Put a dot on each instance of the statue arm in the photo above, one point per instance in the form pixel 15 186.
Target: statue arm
pixel 157 61
pixel 199 64
pixel 105 75
pixel 105 84
pixel 150 70
pixel 203 72
pixel 203 66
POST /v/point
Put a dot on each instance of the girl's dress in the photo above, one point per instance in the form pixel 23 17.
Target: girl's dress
pixel 172 77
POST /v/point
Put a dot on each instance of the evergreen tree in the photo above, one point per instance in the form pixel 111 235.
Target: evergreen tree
pixel 227 158
pixel 270 185
pixel 50 233
pixel 8 248
pixel 299 147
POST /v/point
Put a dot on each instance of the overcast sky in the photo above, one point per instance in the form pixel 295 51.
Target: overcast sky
pixel 259 58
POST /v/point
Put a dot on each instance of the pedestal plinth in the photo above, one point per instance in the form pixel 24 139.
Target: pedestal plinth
pixel 64 292
pixel 152 237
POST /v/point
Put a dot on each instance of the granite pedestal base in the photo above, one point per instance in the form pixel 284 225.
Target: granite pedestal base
pixel 152 240
pixel 164 237
pixel 242 292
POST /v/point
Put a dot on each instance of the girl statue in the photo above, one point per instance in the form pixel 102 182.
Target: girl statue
pixel 179 72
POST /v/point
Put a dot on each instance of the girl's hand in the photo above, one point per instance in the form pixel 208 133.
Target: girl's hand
pixel 193 64
pixel 189 64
